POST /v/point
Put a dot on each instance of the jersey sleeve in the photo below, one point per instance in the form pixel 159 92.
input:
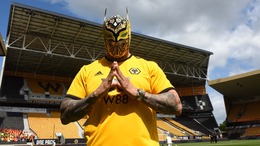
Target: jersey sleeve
pixel 78 85
pixel 159 81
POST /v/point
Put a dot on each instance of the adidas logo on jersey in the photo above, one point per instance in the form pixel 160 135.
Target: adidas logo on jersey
pixel 98 73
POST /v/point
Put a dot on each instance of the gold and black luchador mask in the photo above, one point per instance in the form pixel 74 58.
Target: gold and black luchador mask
pixel 117 35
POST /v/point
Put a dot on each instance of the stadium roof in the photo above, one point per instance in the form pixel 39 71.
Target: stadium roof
pixel 2 47
pixel 47 43
pixel 242 85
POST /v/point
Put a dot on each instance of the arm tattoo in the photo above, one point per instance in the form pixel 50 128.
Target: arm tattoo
pixel 73 110
pixel 164 103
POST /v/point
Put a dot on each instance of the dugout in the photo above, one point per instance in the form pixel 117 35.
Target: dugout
pixel 241 95
pixel 45 50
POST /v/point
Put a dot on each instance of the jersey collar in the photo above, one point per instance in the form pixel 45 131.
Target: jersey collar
pixel 120 60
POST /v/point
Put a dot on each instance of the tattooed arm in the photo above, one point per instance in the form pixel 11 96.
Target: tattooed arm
pixel 72 110
pixel 166 103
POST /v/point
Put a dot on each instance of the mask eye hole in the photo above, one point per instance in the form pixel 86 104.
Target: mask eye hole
pixel 124 34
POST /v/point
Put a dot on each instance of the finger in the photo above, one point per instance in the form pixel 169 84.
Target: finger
pixel 119 75
pixel 110 77
pixel 114 65
pixel 111 73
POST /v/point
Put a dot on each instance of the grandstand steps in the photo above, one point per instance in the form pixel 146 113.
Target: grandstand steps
pixel 176 126
pixel 191 123
pixel 168 127
pixel 251 132
pixel 46 126
pixel 161 134
pixel 244 112
pixel 25 121
pixel 183 128
pixel 11 120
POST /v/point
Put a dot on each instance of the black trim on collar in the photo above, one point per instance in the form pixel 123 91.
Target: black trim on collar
pixel 120 60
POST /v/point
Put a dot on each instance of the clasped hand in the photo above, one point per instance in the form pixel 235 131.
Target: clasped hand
pixel 123 83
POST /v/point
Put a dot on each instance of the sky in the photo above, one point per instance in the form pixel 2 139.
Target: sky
pixel 228 28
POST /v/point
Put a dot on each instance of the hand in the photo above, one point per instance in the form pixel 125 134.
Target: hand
pixel 106 84
pixel 123 82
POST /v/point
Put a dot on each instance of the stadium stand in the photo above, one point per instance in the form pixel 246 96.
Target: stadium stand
pixel 208 123
pixel 188 130
pixel 170 128
pixel 11 120
pixel 195 90
pixel 46 125
pixel 197 103
pixel 194 125
pixel 42 86
pixel 45 90
pixel 9 135
pixel 252 132
pixel 244 112
pixel 11 87
pixel 234 112
pixel 242 98
pixel 12 128
pixel 250 112
pixel 161 134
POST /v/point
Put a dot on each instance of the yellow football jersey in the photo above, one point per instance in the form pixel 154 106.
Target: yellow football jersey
pixel 116 119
